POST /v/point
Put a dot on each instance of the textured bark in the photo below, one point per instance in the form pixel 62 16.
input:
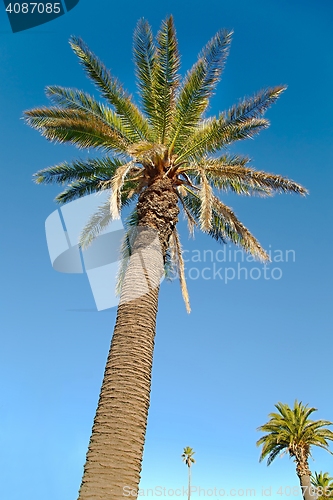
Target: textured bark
pixel 157 208
pixel 304 475
pixel 306 487
pixel 116 445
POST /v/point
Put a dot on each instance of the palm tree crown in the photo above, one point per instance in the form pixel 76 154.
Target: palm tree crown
pixel 171 139
pixel 323 484
pixel 187 456
pixel 292 431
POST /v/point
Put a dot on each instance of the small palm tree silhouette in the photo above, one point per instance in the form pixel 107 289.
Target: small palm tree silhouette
pixel 187 457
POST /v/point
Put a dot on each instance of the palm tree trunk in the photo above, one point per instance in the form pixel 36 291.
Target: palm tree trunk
pixel 304 475
pixel 114 457
pixel 307 488
pixel 189 483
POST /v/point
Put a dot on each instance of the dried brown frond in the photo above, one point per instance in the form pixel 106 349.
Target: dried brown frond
pixel 206 197
pixel 142 150
pixel 176 251
pixel 116 185
pixel 191 223
pixel 181 190
pixel 249 241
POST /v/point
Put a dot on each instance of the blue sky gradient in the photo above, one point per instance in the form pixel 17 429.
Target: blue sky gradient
pixel 247 343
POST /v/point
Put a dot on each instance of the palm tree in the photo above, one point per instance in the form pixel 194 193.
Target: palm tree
pixel 291 431
pixel 160 160
pixel 323 484
pixel 187 457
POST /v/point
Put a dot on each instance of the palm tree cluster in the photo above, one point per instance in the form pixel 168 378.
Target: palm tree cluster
pixel 291 431
pixel 164 158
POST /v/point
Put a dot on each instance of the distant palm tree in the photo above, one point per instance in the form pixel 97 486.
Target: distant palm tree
pixel 168 157
pixel 323 484
pixel 291 431
pixel 187 457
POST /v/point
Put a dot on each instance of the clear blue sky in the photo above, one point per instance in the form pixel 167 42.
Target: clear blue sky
pixel 247 343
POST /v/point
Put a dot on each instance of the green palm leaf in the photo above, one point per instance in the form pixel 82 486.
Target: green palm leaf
pixel 323 485
pixel 134 123
pixel 95 225
pixel 229 173
pixel 253 107
pixel 225 225
pixel 215 134
pixel 78 100
pixel 293 431
pixel 76 127
pixel 79 188
pixel 145 58
pixel 100 220
pixel 96 168
pixel 198 87
pixel 165 79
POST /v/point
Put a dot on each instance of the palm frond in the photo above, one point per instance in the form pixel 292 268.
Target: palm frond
pixel 116 186
pixel 100 169
pixel 169 266
pixel 292 430
pixel 178 258
pixel 144 56
pixel 229 173
pixel 95 225
pixel 191 222
pixel 99 221
pixel 39 118
pixel 198 87
pixel 93 184
pixel 79 188
pixel 241 121
pixel 224 173
pixel 149 153
pixel 206 205
pixel 224 220
pixel 252 107
pixel 324 481
pixel 134 123
pixel 225 225
pixel 82 101
pixel 214 134
pixel 166 79
pixel 76 127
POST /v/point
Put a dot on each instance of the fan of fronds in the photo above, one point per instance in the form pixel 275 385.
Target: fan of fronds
pixel 292 431
pixel 170 136
pixel 323 484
